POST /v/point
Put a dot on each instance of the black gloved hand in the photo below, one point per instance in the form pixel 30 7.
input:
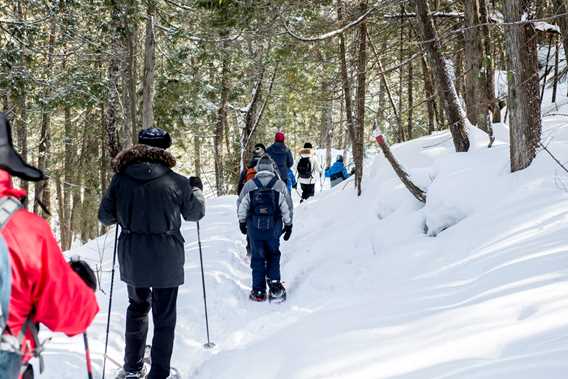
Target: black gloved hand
pixel 243 227
pixel 295 186
pixel 352 171
pixel 83 269
pixel 287 232
pixel 195 182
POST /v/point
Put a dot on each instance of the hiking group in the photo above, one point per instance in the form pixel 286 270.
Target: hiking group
pixel 146 200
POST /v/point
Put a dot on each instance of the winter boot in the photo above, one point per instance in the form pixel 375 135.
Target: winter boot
pixel 132 374
pixel 277 291
pixel 259 296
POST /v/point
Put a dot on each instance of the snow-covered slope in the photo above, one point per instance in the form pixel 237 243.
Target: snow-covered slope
pixel 472 285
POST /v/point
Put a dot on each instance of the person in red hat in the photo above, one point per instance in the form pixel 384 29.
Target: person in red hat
pixel 281 155
pixel 37 285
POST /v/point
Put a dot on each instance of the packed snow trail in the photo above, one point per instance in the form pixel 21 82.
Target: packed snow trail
pixel 472 285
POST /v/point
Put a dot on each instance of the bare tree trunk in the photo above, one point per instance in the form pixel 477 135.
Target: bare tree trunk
pixel 488 104
pixel 329 134
pixel 111 122
pixel 560 9
pixel 221 122
pixel 347 92
pixel 410 111
pixel 556 67
pixel 89 204
pixel 446 88
pixel 132 74
pixel 67 181
pixel 78 175
pixel 149 71
pixel 458 64
pixel 20 69
pixel 523 101
pixel 359 142
pixel 430 96
pixel 401 136
pixel 22 129
pixel 473 60
pixel 42 190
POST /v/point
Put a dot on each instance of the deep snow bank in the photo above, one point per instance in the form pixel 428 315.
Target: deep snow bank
pixel 372 294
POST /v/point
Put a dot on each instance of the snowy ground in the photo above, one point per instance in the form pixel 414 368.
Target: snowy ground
pixel 473 285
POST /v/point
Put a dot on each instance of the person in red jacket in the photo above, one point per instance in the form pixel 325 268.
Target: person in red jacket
pixel 45 289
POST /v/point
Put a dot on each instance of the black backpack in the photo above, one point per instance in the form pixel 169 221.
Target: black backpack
pixel 305 168
pixel 264 206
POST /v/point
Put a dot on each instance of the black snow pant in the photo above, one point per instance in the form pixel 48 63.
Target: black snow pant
pixel 308 190
pixel 162 301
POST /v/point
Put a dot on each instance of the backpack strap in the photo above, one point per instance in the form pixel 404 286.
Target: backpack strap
pixel 8 206
pixel 5 284
pixel 272 182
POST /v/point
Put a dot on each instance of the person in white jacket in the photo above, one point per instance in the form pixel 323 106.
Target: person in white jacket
pixel 307 170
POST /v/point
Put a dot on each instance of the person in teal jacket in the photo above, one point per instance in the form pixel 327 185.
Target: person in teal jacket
pixel 337 172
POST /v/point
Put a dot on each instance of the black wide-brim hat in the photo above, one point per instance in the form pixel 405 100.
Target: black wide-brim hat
pixel 10 160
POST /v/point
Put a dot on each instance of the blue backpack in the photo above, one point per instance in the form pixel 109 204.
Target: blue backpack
pixel 264 206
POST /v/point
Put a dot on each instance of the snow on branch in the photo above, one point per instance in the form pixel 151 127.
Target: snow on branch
pixel 331 34
pixel 544 26
pixel 458 15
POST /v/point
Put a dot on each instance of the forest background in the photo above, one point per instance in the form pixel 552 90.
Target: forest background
pixel 80 78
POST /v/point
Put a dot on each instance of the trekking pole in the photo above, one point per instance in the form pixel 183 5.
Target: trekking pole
pixel 209 344
pixel 88 356
pixel 110 298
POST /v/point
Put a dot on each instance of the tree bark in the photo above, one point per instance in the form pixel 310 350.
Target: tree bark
pixel 346 82
pixel 90 183
pixel 523 100
pixel 221 122
pixel 560 9
pixel 473 61
pixel 556 68
pixel 132 74
pixel 359 142
pixel 111 122
pixel 410 111
pixel 401 136
pixel 42 190
pixel 446 88
pixel 149 71
pixel 430 96
pixel 488 104
pixel 67 181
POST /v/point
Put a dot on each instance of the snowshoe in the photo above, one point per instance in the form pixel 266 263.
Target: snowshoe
pixel 143 373
pixel 258 296
pixel 277 292
pixel 133 375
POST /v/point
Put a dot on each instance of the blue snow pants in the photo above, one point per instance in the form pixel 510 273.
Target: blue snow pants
pixel 264 262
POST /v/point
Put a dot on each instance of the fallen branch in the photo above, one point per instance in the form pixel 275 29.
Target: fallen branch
pixel 418 193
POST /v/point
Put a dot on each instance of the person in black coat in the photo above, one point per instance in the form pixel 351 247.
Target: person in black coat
pixel 281 155
pixel 147 199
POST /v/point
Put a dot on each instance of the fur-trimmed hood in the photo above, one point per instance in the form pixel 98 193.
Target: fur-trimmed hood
pixel 142 154
pixel 306 153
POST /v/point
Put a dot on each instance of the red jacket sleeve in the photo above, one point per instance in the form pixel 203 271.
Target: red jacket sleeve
pixel 63 302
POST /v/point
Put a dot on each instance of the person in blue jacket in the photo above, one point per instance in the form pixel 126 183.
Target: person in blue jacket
pixel 337 172
pixel 281 155
pixel 292 182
